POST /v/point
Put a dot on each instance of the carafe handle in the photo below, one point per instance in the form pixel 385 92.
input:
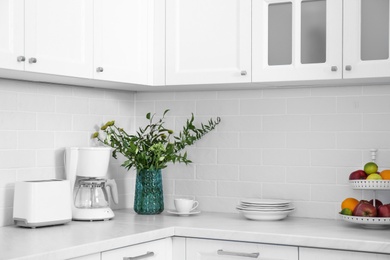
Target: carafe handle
pixel 113 190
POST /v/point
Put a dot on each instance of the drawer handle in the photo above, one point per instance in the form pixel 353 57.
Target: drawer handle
pixel 333 68
pixel 148 254
pixel 348 67
pixel 32 60
pixel 250 255
pixel 21 58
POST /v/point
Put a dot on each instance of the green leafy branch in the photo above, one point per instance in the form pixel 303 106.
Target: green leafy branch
pixel 153 146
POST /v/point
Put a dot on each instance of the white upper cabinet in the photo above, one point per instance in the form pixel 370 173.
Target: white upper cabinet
pixel 58 37
pixel 129 40
pixel 296 40
pixel 208 41
pixel 366 38
pixel 12 34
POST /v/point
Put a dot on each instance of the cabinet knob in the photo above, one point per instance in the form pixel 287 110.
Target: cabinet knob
pixel 148 254
pixel 32 60
pixel 99 69
pixel 348 67
pixel 21 58
pixel 333 68
pixel 243 73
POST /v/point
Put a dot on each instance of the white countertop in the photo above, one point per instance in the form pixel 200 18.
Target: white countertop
pixel 127 228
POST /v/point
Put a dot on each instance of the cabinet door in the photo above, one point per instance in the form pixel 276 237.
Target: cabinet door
pixel 12 34
pixel 296 40
pixel 58 37
pixel 203 249
pixel 155 250
pixel 208 41
pixel 366 38
pixel 120 31
pixel 325 254
pixel 87 257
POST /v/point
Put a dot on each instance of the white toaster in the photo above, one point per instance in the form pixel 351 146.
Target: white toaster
pixel 42 203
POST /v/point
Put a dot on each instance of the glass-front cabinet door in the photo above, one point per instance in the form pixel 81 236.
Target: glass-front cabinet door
pixel 296 40
pixel 366 38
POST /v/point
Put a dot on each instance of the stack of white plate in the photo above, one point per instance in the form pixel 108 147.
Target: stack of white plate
pixel 265 209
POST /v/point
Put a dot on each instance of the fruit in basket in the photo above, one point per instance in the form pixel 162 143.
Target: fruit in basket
pixel 384 211
pixel 349 203
pixel 371 167
pixel 346 211
pixel 358 175
pixel 385 174
pixel 374 176
pixel 364 209
pixel 377 203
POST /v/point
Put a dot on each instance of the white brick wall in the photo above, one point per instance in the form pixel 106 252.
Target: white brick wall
pixel 299 144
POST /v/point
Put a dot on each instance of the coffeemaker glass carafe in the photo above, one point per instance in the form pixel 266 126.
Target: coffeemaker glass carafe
pixel 91 193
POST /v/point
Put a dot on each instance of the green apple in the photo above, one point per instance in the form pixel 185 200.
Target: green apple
pixel 371 167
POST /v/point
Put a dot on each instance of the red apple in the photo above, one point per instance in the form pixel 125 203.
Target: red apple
pixel 377 203
pixel 358 175
pixel 384 211
pixel 364 209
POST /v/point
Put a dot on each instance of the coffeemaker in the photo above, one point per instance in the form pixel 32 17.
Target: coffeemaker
pixel 86 169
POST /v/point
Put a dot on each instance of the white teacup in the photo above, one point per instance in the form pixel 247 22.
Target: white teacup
pixel 185 205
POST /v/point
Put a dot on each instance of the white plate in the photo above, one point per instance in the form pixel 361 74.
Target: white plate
pixel 368 222
pixel 255 215
pixel 264 209
pixel 370 184
pixel 183 214
pixel 264 201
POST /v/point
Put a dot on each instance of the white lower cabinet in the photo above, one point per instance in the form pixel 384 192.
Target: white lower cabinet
pixel 87 257
pixel 327 254
pixel 205 249
pixel 154 250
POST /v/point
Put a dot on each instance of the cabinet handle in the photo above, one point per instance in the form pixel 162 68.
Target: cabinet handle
pixel 99 69
pixel 243 73
pixel 250 255
pixel 148 254
pixel 333 68
pixel 21 58
pixel 32 60
pixel 348 67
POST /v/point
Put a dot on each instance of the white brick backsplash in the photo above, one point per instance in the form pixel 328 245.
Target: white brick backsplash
pixel 72 105
pixel 310 140
pixel 262 106
pixel 292 157
pixel 335 158
pixel 8 100
pixel 8 139
pixel 311 175
pixel 195 187
pixel 240 123
pixel 376 122
pixel 54 122
pixel 263 173
pixel 239 189
pixel 217 172
pixel 286 191
pixel 35 140
pixel 239 156
pixel 311 105
pixel 17 120
pixel 336 122
pixel 217 107
pixel 289 143
pixel 36 103
pixel 263 140
pixel 286 123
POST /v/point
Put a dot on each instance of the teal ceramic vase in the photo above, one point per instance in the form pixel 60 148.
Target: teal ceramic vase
pixel 149 196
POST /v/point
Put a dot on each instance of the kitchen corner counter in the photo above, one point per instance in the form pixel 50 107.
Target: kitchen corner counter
pixel 127 228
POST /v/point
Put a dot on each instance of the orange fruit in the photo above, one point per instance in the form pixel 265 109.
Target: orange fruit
pixel 349 203
pixel 385 174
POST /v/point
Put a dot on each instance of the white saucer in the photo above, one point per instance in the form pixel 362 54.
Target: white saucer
pixel 183 214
